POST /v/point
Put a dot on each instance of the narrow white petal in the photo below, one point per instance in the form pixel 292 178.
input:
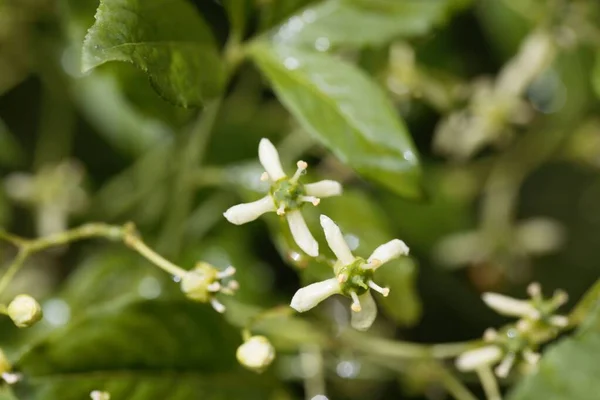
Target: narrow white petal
pixel 540 235
pixel 363 319
pixel 390 250
pixel 336 241
pixel 325 188
pixel 311 295
pixel 269 158
pixel 246 212
pixel 301 234
pixel 508 306
pixel 473 359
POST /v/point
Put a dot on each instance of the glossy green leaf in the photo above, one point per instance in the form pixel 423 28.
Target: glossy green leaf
pixel 343 108
pixel 141 350
pixel 165 38
pixel 568 369
pixel 334 23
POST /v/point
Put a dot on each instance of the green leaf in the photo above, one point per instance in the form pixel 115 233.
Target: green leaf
pixel 343 108
pixel 165 38
pixel 141 350
pixel 334 23
pixel 568 369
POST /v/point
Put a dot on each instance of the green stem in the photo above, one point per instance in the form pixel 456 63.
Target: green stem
pixel 14 267
pixel 125 234
pixel 454 386
pixel 191 155
pixel 400 349
pixel 489 383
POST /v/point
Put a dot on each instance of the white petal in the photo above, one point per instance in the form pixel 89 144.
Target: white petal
pixel 540 235
pixel 363 319
pixel 325 188
pixel 390 250
pixel 301 234
pixel 473 359
pixel 246 212
pixel 311 295
pixel 336 241
pixel 269 158
pixel 508 306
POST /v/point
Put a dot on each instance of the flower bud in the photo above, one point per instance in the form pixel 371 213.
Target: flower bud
pixel 4 363
pixel 99 395
pixel 195 284
pixel 24 310
pixel 256 353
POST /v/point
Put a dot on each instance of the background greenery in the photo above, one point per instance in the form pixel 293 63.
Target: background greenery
pixel 369 92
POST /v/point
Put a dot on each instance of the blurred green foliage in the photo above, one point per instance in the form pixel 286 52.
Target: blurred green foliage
pixel 450 123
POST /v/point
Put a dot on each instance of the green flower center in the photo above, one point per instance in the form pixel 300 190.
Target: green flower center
pixel 287 194
pixel 354 278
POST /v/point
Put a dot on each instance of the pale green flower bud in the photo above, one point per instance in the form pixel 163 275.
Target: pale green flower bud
pixel 256 353
pixel 204 281
pixel 99 395
pixel 24 310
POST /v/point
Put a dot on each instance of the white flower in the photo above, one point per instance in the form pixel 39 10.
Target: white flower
pixel 286 197
pixel 204 281
pixel 24 310
pixel 353 277
pixel 536 309
pixel 505 349
pixel 256 353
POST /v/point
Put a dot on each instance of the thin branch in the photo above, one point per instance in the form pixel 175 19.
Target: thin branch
pixel 489 383
pixel 126 234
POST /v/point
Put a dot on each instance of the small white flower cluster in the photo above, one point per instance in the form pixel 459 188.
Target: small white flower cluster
pixel 204 281
pixel 286 197
pixel 537 322
pixel 353 275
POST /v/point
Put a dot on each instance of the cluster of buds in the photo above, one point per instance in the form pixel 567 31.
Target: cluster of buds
pixel 204 282
pixel 24 311
pixel 496 105
pixel 353 277
pixel 256 353
pixel 54 192
pixel 518 342
pixel 286 197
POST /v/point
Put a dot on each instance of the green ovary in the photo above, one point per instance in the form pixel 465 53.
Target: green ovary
pixel 358 277
pixel 288 194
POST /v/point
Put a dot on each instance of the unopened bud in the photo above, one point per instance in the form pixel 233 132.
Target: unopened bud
pixel 256 353
pixel 4 363
pixel 24 310
pixel 195 284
